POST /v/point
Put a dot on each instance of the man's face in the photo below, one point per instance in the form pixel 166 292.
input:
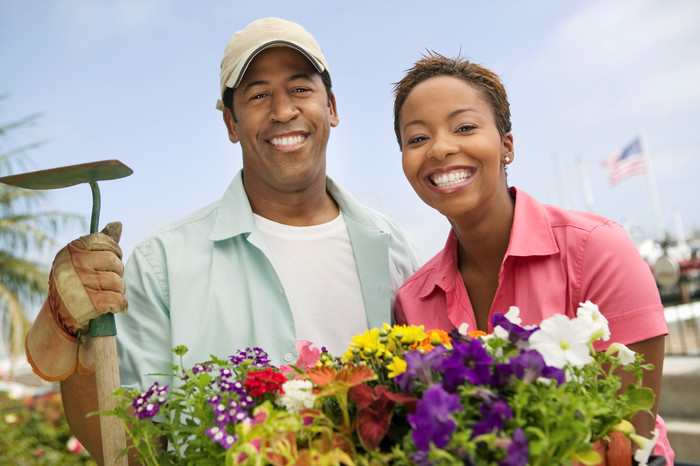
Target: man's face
pixel 283 121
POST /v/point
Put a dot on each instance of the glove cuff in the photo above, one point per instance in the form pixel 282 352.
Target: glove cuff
pixel 66 289
pixel 52 353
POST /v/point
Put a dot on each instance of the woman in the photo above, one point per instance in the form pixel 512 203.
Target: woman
pixel 452 122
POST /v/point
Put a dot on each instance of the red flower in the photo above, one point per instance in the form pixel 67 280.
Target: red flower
pixel 264 381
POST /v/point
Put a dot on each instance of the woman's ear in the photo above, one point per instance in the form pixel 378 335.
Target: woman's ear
pixel 508 152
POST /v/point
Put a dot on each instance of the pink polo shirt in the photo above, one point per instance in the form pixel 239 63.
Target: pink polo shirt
pixel 556 259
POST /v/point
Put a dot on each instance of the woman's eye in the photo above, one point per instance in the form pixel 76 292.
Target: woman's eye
pixel 416 139
pixel 465 128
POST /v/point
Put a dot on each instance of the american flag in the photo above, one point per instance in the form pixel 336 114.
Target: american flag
pixel 626 162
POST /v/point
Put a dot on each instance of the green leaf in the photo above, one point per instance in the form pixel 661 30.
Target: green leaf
pixel 587 457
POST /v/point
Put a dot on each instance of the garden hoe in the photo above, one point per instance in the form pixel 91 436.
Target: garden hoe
pixel 102 329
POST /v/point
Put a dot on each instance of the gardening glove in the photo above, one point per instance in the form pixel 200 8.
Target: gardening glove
pixel 85 282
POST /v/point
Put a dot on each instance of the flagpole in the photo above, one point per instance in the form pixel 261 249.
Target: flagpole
pixel 653 194
pixel 587 192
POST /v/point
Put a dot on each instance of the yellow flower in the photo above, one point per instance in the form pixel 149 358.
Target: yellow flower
pixel 396 367
pixel 364 346
pixel 408 334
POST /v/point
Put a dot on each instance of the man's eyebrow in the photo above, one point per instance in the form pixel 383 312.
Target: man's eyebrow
pixel 304 76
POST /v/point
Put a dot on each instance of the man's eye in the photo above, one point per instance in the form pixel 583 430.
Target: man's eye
pixel 465 128
pixel 258 96
pixel 300 89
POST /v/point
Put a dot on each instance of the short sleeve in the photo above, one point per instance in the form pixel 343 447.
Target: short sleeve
pixel 143 333
pixel 614 276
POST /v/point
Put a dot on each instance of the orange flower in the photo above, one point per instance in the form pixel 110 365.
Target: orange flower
pixel 435 337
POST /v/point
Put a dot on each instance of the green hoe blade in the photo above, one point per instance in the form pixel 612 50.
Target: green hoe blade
pixel 63 177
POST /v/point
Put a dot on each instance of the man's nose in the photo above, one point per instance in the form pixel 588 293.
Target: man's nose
pixel 283 108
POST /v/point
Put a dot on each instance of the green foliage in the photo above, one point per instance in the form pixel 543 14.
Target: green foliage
pixel 24 232
pixel 34 431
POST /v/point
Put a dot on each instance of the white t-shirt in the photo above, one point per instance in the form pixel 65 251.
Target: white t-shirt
pixel 317 269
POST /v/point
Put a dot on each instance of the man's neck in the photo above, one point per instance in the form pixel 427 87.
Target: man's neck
pixel 300 208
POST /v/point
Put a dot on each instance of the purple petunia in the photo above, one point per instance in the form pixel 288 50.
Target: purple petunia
pixel 431 421
pixel 518 452
pixel 420 366
pixel 494 417
pixel 468 361
pixel 516 334
pixel 148 403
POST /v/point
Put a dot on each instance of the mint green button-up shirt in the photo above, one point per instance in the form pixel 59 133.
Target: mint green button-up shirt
pixel 206 282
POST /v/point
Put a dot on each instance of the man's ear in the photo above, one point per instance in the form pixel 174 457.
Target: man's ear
pixel 334 109
pixel 230 125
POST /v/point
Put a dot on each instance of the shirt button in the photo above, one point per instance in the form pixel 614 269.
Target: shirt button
pixel 288 357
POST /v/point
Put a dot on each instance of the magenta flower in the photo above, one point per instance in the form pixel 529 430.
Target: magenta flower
pixel 432 421
pixel 468 361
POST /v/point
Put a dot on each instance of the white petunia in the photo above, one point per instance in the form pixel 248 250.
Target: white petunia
pixel 646 445
pixel 513 315
pixel 463 329
pixel 624 354
pixel 297 396
pixel 595 321
pixel 560 341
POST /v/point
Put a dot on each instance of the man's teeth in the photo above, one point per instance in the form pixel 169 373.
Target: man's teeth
pixel 286 141
pixel 448 179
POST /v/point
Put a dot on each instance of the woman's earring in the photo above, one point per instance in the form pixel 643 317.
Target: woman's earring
pixel 507 159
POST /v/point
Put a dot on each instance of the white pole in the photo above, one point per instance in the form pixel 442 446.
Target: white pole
pixel 660 230
pixel 587 192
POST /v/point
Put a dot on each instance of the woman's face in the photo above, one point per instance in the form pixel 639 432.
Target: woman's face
pixel 452 152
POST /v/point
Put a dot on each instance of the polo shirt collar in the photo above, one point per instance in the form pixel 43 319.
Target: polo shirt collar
pixel 531 235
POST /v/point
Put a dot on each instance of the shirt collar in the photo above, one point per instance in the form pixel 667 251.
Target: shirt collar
pixel 234 216
pixel 531 235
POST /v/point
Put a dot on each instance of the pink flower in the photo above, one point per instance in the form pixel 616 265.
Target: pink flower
pixel 308 357
pixel 74 446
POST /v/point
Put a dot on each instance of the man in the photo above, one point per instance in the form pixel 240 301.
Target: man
pixel 285 255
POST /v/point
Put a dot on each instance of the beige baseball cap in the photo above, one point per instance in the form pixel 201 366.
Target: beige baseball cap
pixel 258 36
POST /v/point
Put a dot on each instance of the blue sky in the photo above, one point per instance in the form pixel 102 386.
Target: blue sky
pixel 137 80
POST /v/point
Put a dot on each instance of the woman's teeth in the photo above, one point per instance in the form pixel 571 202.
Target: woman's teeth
pixel 448 179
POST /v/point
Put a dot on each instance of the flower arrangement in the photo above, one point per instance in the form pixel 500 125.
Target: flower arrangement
pixel 403 395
